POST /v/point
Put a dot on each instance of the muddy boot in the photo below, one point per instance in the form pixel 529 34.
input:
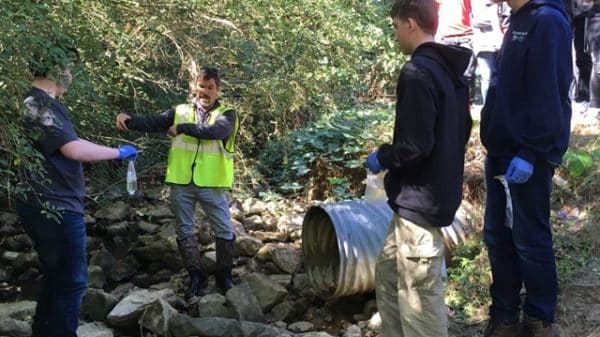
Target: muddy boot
pixel 535 327
pixel 190 252
pixel 224 264
pixel 502 329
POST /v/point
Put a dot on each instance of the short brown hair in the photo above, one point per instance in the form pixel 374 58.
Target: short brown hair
pixel 424 12
pixel 209 73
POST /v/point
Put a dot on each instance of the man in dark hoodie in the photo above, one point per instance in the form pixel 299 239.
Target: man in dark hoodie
pixel 425 171
pixel 525 128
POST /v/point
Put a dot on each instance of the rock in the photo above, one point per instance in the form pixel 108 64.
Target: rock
pixel 262 330
pixel 265 253
pixel 156 318
pixel 284 311
pixel 246 245
pixel 244 304
pixel 375 322
pixel 314 334
pixel 97 304
pixel 7 230
pixel 115 212
pixel 158 211
pixel 253 222
pixel 238 228
pixel 370 307
pixel 237 213
pixel 185 326
pixel 10 256
pixel 121 228
pixel 89 220
pixel 271 268
pixel 154 252
pixel 122 290
pixel 93 243
pixel 287 259
pixel 269 223
pixel 283 280
pixel 4 275
pixel 253 206
pixel 127 312
pixel 14 328
pixel 300 327
pixel 280 325
pixel 96 278
pixel 104 259
pixel 124 269
pixel 8 219
pixel 18 243
pixel 301 285
pixel 146 227
pixel 267 292
pixel 270 236
pixel 213 305
pixel 288 224
pixel 94 330
pixel 208 261
pixel 18 310
pixel 353 331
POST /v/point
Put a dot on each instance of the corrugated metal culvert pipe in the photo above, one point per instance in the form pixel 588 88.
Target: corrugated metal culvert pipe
pixel 341 243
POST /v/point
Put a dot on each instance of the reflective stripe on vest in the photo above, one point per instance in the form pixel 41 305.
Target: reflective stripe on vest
pixel 204 162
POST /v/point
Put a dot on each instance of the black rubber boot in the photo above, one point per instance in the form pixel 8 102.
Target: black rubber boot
pixel 502 329
pixel 223 278
pixel 190 252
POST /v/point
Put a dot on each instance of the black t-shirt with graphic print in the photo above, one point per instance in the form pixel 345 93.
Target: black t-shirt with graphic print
pixel 63 185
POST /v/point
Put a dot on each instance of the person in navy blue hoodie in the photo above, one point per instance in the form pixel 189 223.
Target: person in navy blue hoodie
pixel 525 128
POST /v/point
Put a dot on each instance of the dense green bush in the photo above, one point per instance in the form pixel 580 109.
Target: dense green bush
pixel 285 63
pixel 326 159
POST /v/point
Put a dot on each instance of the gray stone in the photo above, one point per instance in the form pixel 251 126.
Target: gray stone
pixel 11 327
pixel 18 243
pixel 185 326
pixel 115 212
pixel 208 261
pixel 158 211
pixel 123 269
pixel 267 292
pixel 283 311
pixel 238 228
pixel 104 259
pixel 259 329
pixel 375 322
pixel 253 206
pixel 8 219
pixel 253 222
pixel 353 331
pixel 314 334
pixel 269 223
pixel 300 327
pixel 123 290
pixel 246 245
pixel 271 268
pixel 214 305
pixel 121 228
pixel 4 275
pixel 283 280
pixel 370 307
pixel 265 253
pixel 270 236
pixel 289 224
pixel 244 304
pixel 93 243
pixel 18 310
pixel 96 278
pixel 127 312
pixel 95 329
pixel 157 316
pixel 154 252
pixel 146 227
pixel 97 304
pixel 287 259
pixel 89 220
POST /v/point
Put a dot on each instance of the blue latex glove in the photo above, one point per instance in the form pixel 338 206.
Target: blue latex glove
pixel 373 163
pixel 518 171
pixel 127 152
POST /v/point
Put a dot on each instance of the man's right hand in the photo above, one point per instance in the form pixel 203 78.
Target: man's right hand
pixel 121 118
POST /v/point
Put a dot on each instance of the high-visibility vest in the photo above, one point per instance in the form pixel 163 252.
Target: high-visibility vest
pixel 203 162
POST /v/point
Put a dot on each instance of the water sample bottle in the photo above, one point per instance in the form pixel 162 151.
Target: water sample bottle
pixel 131 178
pixel 374 190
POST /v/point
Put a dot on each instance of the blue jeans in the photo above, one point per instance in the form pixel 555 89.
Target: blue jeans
pixel 212 200
pixel 61 248
pixel 486 62
pixel 525 254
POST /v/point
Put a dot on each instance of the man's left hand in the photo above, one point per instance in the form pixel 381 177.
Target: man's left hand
pixel 172 131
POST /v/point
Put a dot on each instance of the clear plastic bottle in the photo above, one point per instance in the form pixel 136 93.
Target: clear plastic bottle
pixel 374 190
pixel 131 178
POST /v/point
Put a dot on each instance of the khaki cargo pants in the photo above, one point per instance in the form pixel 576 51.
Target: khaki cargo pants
pixel 408 281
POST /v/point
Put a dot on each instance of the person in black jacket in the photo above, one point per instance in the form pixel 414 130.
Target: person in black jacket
pixel 525 128
pixel 425 165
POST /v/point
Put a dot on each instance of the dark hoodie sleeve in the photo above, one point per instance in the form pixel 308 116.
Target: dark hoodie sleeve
pixel 415 121
pixel 152 123
pixel 548 66
pixel 221 129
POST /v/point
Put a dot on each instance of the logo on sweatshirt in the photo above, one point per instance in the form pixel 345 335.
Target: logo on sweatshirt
pixel 519 36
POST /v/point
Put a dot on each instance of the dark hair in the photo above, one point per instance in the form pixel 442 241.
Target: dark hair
pixel 424 12
pixel 61 52
pixel 209 73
